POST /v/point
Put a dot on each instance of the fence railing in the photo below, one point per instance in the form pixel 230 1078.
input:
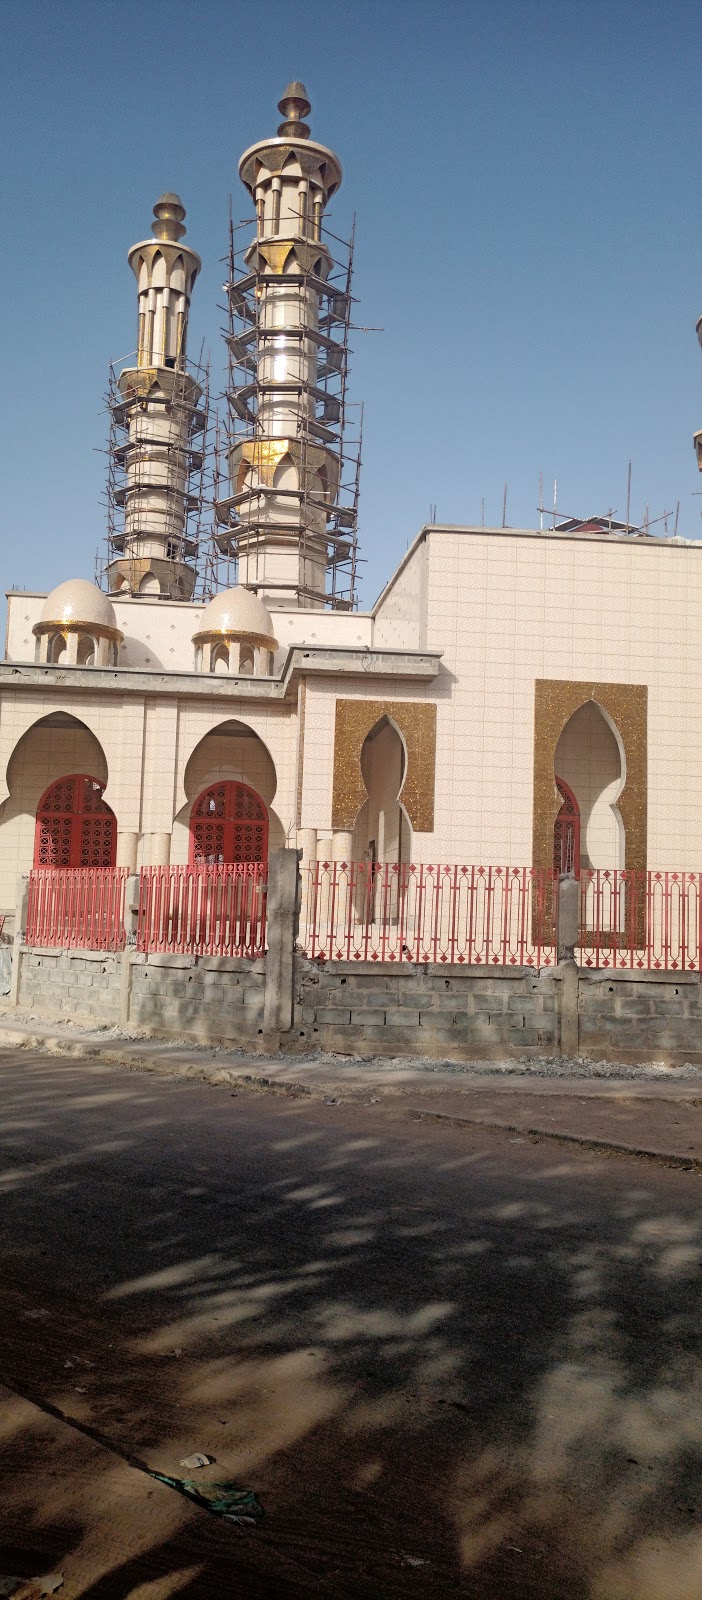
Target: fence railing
pixel 480 916
pixel 641 920
pixel 360 911
pixel 78 908
pixel 204 910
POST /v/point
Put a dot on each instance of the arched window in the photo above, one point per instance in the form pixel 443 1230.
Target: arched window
pixel 566 832
pixel 56 649
pixel 228 822
pixel 75 828
pixel 87 651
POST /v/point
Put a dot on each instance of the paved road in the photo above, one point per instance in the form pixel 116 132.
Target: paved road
pixel 450 1361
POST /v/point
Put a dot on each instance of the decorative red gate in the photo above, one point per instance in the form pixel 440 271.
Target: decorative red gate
pixel 566 833
pixel 75 828
pixel 228 823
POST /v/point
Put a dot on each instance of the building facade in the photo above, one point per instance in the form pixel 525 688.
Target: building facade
pixel 515 696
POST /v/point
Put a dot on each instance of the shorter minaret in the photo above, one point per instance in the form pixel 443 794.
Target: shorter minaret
pixel 156 416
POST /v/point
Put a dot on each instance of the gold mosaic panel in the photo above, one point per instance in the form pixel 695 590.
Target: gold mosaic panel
pixel 416 721
pixel 627 705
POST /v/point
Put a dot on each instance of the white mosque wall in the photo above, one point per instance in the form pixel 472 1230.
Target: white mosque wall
pixel 158 633
pixel 507 608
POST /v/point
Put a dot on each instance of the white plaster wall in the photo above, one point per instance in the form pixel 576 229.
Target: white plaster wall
pixel 400 613
pixel 587 757
pixel 507 608
pixel 41 757
pixel 158 634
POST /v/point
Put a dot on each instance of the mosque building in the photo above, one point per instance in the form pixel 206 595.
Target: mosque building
pixel 515 695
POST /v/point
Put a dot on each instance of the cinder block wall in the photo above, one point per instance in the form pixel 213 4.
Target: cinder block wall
pixel 198 997
pixel 642 1015
pixel 441 1011
pixel 78 985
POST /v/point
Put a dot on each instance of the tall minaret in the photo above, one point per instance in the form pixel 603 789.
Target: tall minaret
pixel 288 341
pixel 697 437
pixel 156 415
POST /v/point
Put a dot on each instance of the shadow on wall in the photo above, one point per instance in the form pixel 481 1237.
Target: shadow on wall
pixel 138 653
pixel 444 1373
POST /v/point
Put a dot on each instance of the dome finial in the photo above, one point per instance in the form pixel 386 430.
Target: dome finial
pixel 294 105
pixel 169 213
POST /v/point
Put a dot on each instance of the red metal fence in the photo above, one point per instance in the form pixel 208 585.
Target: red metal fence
pixel 77 908
pixel 641 920
pixel 358 911
pixel 364 911
pixel 212 910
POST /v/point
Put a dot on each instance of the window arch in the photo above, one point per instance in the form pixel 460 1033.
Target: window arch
pixel 228 822
pixel 566 832
pixel 74 827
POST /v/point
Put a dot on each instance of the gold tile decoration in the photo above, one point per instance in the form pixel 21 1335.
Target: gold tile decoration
pixel 627 705
pixel 416 721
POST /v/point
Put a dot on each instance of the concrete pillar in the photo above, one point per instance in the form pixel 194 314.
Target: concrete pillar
pixel 568 938
pixel 281 917
pixel 342 847
pixel 157 849
pixel 568 915
pixel 21 907
pixel 131 917
pixel 307 843
pixel 307 850
pixel 72 649
pixel 127 843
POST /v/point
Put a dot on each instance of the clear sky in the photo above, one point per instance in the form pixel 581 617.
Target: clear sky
pixel 526 178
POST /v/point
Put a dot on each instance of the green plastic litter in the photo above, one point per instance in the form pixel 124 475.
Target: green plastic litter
pixel 224 1499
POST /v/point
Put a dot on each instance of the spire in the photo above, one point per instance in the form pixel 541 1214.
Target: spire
pixel 294 105
pixel 169 213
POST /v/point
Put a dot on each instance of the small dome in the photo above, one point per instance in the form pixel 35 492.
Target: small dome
pixel 78 603
pixel 237 614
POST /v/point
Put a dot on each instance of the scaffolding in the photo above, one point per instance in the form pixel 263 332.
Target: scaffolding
pixel 172 458
pixel 323 420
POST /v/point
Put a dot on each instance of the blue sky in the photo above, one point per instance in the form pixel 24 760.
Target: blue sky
pixel 526 179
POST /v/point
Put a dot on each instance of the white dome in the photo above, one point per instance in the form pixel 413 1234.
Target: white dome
pixel 237 614
pixel 78 603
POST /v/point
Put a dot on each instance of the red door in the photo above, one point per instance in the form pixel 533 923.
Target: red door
pixel 228 822
pixel 566 833
pixel 75 828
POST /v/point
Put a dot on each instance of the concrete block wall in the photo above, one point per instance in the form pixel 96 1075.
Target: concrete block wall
pixel 643 1015
pixel 208 998
pixel 436 1011
pixel 78 985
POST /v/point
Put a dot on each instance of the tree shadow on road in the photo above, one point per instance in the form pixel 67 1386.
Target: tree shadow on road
pixel 449 1363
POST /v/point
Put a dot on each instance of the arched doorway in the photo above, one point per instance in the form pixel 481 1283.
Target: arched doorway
pixel 566 832
pixel 228 822
pixel 589 764
pixel 383 835
pixel 74 826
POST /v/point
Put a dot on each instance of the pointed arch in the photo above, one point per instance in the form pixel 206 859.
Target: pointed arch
pixel 74 825
pixel 228 823
pixel 624 709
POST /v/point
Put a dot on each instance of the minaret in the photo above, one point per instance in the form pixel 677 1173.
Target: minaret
pixel 285 519
pixel 156 415
pixel 697 437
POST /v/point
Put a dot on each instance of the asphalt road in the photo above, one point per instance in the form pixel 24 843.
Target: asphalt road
pixel 449 1361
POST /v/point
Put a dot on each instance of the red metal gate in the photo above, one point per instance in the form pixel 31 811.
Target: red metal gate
pixel 228 823
pixel 566 832
pixel 74 827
